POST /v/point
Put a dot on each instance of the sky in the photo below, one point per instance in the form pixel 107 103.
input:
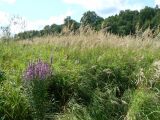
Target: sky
pixel 35 14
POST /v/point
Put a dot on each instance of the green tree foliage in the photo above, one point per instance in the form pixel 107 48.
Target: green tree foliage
pixel 156 21
pixel 125 23
pixel 47 30
pixel 92 19
pixel 146 16
pixel 51 30
pixel 122 24
pixel 55 29
pixel 28 34
pixel 70 24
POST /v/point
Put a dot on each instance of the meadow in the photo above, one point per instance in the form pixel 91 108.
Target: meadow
pixel 94 77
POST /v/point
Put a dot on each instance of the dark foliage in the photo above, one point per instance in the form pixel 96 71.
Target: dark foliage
pixel 2 76
pixel 125 23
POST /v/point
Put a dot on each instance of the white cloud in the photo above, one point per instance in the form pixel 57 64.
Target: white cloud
pixel 106 7
pixel 157 2
pixel 4 17
pixel 8 1
pixel 39 24
pixel 17 24
pixel 95 4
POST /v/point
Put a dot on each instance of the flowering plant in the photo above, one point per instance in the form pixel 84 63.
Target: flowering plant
pixel 38 71
pixel 36 76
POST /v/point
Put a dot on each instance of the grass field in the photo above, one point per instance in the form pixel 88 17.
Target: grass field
pixel 94 77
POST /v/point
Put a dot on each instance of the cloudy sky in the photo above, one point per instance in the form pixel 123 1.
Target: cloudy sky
pixel 38 13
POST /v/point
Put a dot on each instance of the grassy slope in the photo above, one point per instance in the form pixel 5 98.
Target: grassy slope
pixel 94 68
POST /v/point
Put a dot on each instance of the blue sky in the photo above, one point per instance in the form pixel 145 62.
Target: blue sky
pixel 38 13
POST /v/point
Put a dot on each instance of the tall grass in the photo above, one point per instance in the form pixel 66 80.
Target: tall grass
pixel 96 77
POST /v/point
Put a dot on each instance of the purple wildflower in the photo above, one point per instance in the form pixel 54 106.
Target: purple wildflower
pixel 38 70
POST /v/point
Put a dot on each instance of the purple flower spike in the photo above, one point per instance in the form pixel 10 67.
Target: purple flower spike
pixel 38 70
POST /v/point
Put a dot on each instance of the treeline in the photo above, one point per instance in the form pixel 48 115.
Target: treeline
pixel 125 23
